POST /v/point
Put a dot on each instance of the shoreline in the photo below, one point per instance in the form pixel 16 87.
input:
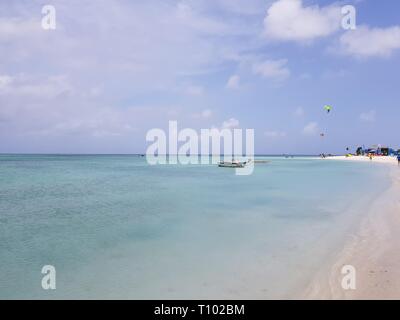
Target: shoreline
pixel 372 249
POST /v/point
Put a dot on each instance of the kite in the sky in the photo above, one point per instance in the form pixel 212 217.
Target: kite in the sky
pixel 328 108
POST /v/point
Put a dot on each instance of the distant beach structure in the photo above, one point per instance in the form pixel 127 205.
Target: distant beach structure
pixel 377 150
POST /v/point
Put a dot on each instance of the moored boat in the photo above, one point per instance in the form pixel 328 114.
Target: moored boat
pixel 233 164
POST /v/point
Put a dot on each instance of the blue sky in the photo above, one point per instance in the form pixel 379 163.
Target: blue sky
pixel 113 70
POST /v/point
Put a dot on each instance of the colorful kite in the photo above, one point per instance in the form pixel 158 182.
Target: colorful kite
pixel 328 108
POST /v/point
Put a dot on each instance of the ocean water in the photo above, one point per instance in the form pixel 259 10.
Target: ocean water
pixel 116 228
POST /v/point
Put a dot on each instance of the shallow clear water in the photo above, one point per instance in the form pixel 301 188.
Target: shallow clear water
pixel 115 227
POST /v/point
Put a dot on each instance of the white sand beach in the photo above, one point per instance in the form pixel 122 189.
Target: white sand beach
pixel 379 159
pixel 373 249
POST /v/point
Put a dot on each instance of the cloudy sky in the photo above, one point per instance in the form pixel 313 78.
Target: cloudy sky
pixel 112 70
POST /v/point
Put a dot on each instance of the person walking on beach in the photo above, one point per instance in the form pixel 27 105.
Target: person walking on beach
pixel 398 159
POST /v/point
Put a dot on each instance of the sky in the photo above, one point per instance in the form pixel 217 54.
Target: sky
pixel 113 70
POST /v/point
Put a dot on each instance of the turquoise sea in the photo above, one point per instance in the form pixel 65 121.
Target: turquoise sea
pixel 115 227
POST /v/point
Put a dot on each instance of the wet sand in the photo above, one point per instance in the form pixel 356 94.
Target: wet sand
pixel 373 250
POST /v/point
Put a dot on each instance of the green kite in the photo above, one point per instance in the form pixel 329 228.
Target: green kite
pixel 328 108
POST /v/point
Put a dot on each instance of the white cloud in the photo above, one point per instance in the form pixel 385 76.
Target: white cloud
pixel 145 50
pixel 95 91
pixel 370 42
pixel 299 112
pixel 289 20
pixel 275 134
pixel 195 90
pixel 5 80
pixel 188 16
pixel 311 128
pixel 204 114
pixel 150 47
pixel 207 113
pixel 11 28
pixel 34 86
pixel 273 69
pixel 242 7
pixel 368 116
pixel 233 82
pixel 230 123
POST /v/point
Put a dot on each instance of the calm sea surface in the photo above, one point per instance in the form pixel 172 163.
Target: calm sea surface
pixel 116 227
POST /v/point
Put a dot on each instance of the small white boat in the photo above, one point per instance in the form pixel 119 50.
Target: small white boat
pixel 232 164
